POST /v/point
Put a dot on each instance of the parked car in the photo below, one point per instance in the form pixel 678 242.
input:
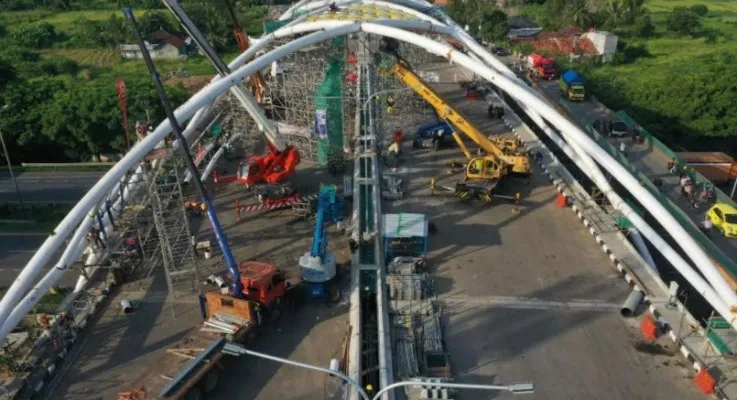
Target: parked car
pixel 724 218
pixel 619 129
pixel 607 127
pixel 499 51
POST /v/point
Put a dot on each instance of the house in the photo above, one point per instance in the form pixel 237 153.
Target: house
pixel 573 41
pixel 162 45
pixel 521 27
pixel 604 42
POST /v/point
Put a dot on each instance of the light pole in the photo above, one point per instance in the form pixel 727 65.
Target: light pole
pixel 10 168
pixel 516 388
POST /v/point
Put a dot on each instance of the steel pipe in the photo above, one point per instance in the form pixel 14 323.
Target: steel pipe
pixel 630 305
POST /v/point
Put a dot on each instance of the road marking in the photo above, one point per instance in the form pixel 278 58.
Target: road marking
pixel 22 251
pixel 530 303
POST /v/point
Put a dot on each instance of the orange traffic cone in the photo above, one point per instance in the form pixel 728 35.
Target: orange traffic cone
pixel 560 200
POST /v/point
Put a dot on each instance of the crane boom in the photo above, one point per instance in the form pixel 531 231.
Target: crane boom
pixel 258 83
pixel 445 110
pixel 245 98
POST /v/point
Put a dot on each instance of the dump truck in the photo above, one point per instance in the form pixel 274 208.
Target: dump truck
pixel 715 166
pixel 187 370
pixel 572 86
pixel 542 67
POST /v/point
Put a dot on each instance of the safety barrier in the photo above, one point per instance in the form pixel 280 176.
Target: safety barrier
pixel 685 221
pixel 654 142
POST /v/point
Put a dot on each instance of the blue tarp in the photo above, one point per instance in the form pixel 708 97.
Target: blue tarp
pixel 571 76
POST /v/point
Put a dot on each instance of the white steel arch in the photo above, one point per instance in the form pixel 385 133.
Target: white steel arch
pixel 724 303
pixel 571 146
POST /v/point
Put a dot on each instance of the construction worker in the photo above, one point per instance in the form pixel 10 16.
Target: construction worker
pixel 369 389
pixel 706 226
pixel 623 148
pixel 398 136
pixel 672 165
pixel 389 104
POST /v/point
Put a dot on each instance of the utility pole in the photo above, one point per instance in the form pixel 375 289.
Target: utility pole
pixel 10 168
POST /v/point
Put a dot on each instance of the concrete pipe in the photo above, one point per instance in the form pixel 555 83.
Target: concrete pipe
pixel 630 305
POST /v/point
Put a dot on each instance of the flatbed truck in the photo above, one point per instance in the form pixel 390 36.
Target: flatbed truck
pixel 189 369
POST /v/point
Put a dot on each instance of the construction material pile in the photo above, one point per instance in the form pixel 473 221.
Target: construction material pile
pixel 223 323
pixel 419 348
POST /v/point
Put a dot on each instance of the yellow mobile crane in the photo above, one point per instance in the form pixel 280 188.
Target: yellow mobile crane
pixel 482 173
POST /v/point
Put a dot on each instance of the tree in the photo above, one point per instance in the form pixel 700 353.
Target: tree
pixel 684 21
pixel 494 26
pixel 644 26
pixel 34 36
pixel 7 73
pixel 579 14
pixel 700 9
pixel 456 9
pixel 152 21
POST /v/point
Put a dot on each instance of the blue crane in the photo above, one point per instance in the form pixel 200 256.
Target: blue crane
pixel 318 265
pixel 236 284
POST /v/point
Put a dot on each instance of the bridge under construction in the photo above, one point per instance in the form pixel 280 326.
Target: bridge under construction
pixel 428 289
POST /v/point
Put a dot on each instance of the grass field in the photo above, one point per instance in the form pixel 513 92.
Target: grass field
pixel 669 51
pixel 64 22
pixel 667 66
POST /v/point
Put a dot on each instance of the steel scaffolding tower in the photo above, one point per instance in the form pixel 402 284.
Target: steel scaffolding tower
pixel 172 224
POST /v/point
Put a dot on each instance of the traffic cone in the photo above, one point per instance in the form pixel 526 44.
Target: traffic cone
pixel 560 200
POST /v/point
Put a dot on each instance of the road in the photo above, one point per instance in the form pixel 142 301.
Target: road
pixel 48 186
pixel 529 295
pixel 17 249
pixel 648 159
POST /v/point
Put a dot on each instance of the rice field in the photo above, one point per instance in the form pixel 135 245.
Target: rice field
pixel 98 58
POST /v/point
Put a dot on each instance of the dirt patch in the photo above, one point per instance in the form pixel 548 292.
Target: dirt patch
pixel 653 348
pixel 191 83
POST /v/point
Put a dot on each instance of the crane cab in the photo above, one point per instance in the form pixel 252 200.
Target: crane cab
pixel 484 168
pixel 263 283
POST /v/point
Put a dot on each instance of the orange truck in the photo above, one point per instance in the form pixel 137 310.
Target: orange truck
pixel 190 368
pixel 715 166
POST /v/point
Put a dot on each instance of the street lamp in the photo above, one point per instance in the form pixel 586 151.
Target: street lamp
pixel 516 388
pixel 10 168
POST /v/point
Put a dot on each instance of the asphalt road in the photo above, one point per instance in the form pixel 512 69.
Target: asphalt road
pixel 648 159
pixel 48 186
pixel 16 250
pixel 529 295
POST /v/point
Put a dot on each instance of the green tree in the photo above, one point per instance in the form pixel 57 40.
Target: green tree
pixel 152 21
pixel 579 14
pixel 684 21
pixel 644 26
pixel 7 73
pixel 700 9
pixel 34 36
pixel 494 26
pixel 456 9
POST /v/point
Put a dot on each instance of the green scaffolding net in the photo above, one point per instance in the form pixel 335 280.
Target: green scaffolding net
pixel 329 108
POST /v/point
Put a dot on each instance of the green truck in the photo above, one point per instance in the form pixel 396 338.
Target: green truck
pixel 572 86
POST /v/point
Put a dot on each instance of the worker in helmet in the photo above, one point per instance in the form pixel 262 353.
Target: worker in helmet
pixel 389 104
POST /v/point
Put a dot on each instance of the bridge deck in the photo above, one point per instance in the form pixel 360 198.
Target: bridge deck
pixel 529 294
pixel 117 348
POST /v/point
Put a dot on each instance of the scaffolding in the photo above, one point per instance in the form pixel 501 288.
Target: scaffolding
pixel 172 225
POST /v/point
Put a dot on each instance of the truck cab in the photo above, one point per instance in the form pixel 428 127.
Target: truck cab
pixel 263 283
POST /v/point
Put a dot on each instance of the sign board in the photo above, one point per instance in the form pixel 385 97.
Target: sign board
pixel 321 124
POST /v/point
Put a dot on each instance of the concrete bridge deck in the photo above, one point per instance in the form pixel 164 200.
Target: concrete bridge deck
pixel 529 294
